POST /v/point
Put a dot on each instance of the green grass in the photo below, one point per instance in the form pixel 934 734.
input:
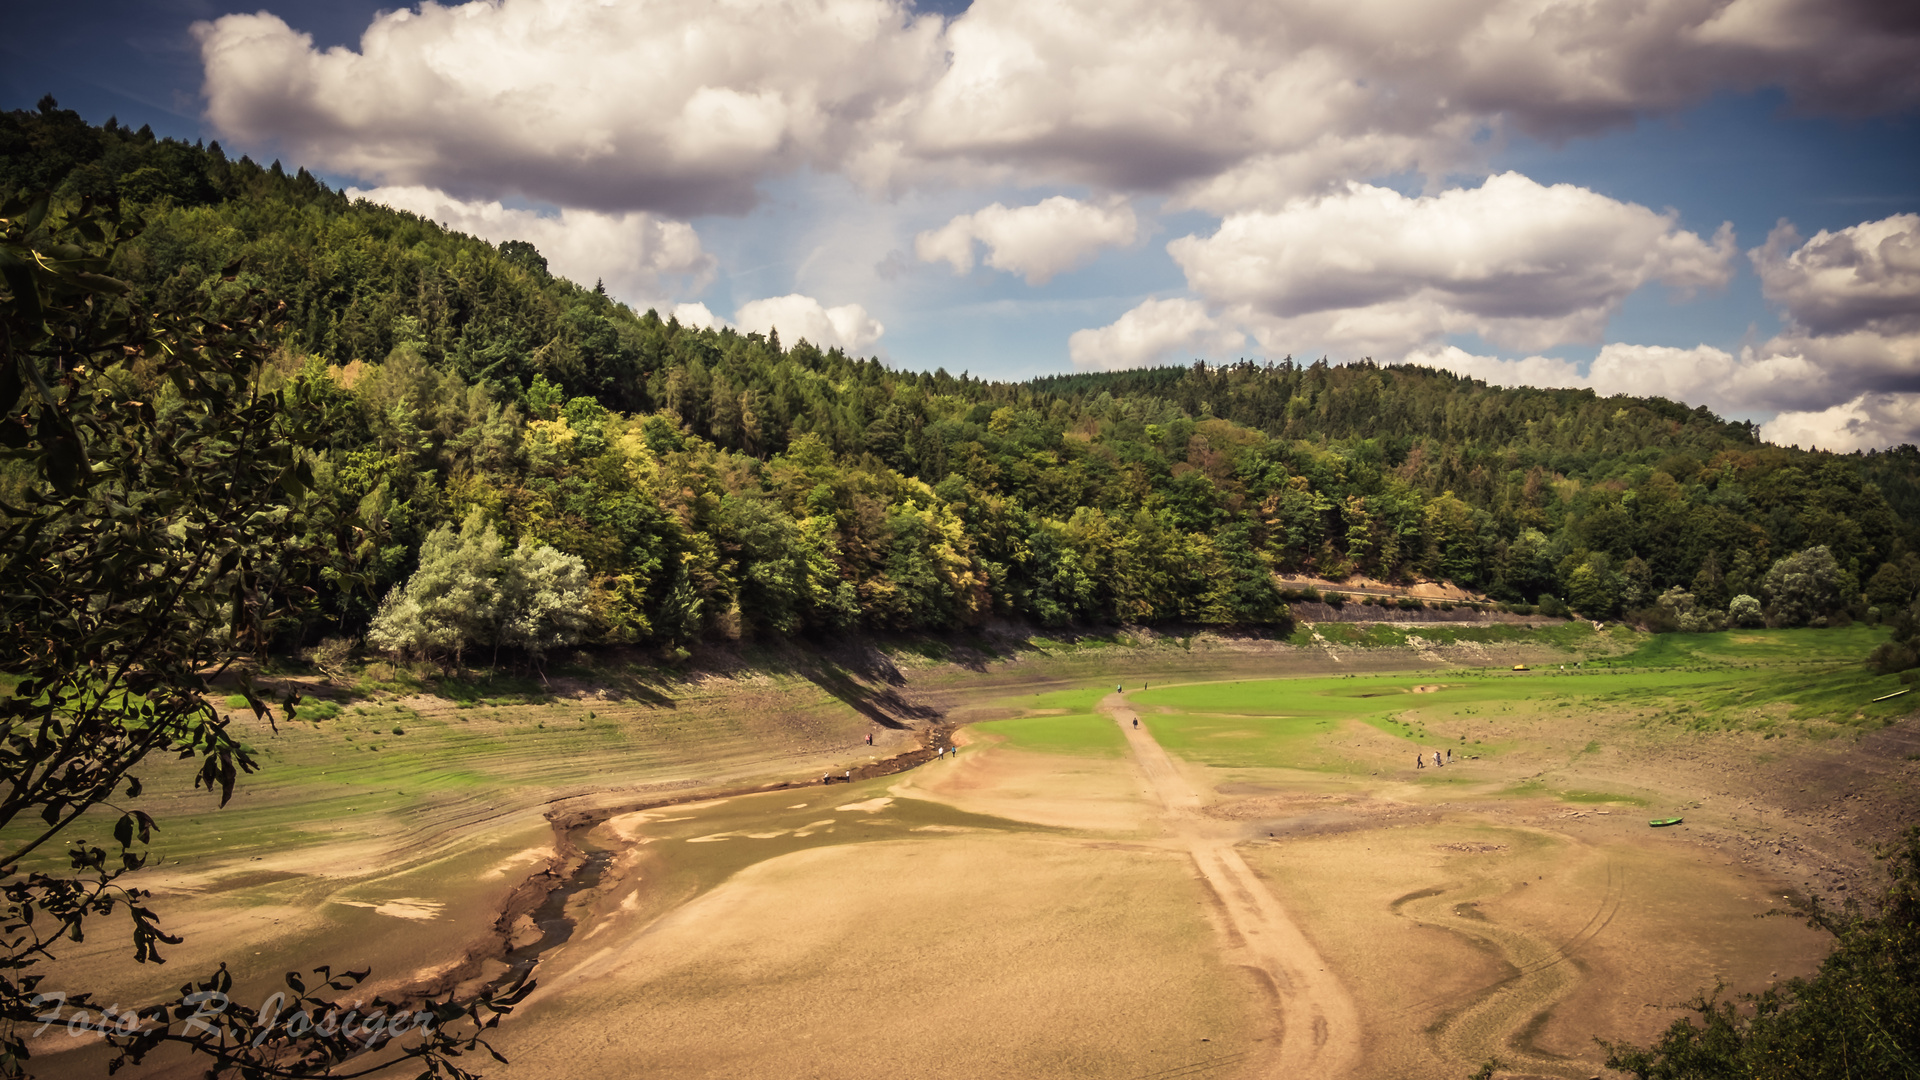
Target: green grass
pixel 1800 683
pixel 1079 700
pixel 1598 797
pixel 1283 722
pixel 1535 789
pixel 1842 645
pixel 1239 741
pixel 1083 734
pixel 315 709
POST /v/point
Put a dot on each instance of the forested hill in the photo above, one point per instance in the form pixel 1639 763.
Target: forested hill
pixel 674 483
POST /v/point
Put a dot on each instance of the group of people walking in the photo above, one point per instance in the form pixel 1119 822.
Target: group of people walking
pixel 1420 759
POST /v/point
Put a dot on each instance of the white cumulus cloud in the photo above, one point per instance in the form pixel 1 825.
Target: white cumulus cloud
pixel 697 316
pixel 1852 300
pixel 679 106
pixel 1235 105
pixel 1037 242
pixel 1867 422
pixel 1545 371
pixel 1155 332
pixel 1702 375
pixel 685 106
pixel 642 258
pixel 1863 277
pixel 847 327
pixel 1368 271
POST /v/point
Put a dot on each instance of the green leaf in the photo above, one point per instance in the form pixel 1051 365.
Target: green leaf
pixel 35 212
pixel 101 283
pixel 19 277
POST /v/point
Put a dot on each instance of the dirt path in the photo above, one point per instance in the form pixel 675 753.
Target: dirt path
pixel 1319 1026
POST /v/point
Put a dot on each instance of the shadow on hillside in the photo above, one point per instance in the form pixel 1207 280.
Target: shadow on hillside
pixel 860 675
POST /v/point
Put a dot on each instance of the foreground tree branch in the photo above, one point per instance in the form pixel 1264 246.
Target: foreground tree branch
pixel 150 531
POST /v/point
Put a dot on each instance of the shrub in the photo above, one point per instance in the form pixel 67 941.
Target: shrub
pixel 330 657
pixel 1744 610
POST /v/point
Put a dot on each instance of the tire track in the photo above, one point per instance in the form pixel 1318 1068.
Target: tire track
pixel 1319 1036
pixel 1502 1012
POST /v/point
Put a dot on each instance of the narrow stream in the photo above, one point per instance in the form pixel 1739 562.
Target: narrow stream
pixel 556 926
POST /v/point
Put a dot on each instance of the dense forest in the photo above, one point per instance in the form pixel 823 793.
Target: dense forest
pixel 514 461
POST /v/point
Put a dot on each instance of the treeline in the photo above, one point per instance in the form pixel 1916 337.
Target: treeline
pixel 714 484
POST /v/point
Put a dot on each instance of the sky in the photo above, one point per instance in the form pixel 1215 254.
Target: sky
pixel 1716 201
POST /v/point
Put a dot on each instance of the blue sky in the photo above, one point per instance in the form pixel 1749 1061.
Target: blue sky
pixel 1524 190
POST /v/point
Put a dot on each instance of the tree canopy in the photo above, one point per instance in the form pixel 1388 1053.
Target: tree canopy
pixel 713 484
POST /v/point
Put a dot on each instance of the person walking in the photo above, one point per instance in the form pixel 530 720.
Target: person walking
pixel 1436 759
pixel 1419 761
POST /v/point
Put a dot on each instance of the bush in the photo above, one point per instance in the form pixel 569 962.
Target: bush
pixel 330 657
pixel 1744 610
pixel 1551 606
pixel 1893 656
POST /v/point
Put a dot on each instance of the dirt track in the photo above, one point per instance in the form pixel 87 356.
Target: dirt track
pixel 1319 1029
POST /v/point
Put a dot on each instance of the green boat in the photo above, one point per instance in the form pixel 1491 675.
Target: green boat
pixel 1663 822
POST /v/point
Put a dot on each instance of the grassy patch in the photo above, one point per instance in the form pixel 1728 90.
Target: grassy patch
pixel 1083 734
pixel 1079 700
pixel 1598 797
pixel 1842 645
pixel 1239 741
pixel 316 710
pixel 1807 684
